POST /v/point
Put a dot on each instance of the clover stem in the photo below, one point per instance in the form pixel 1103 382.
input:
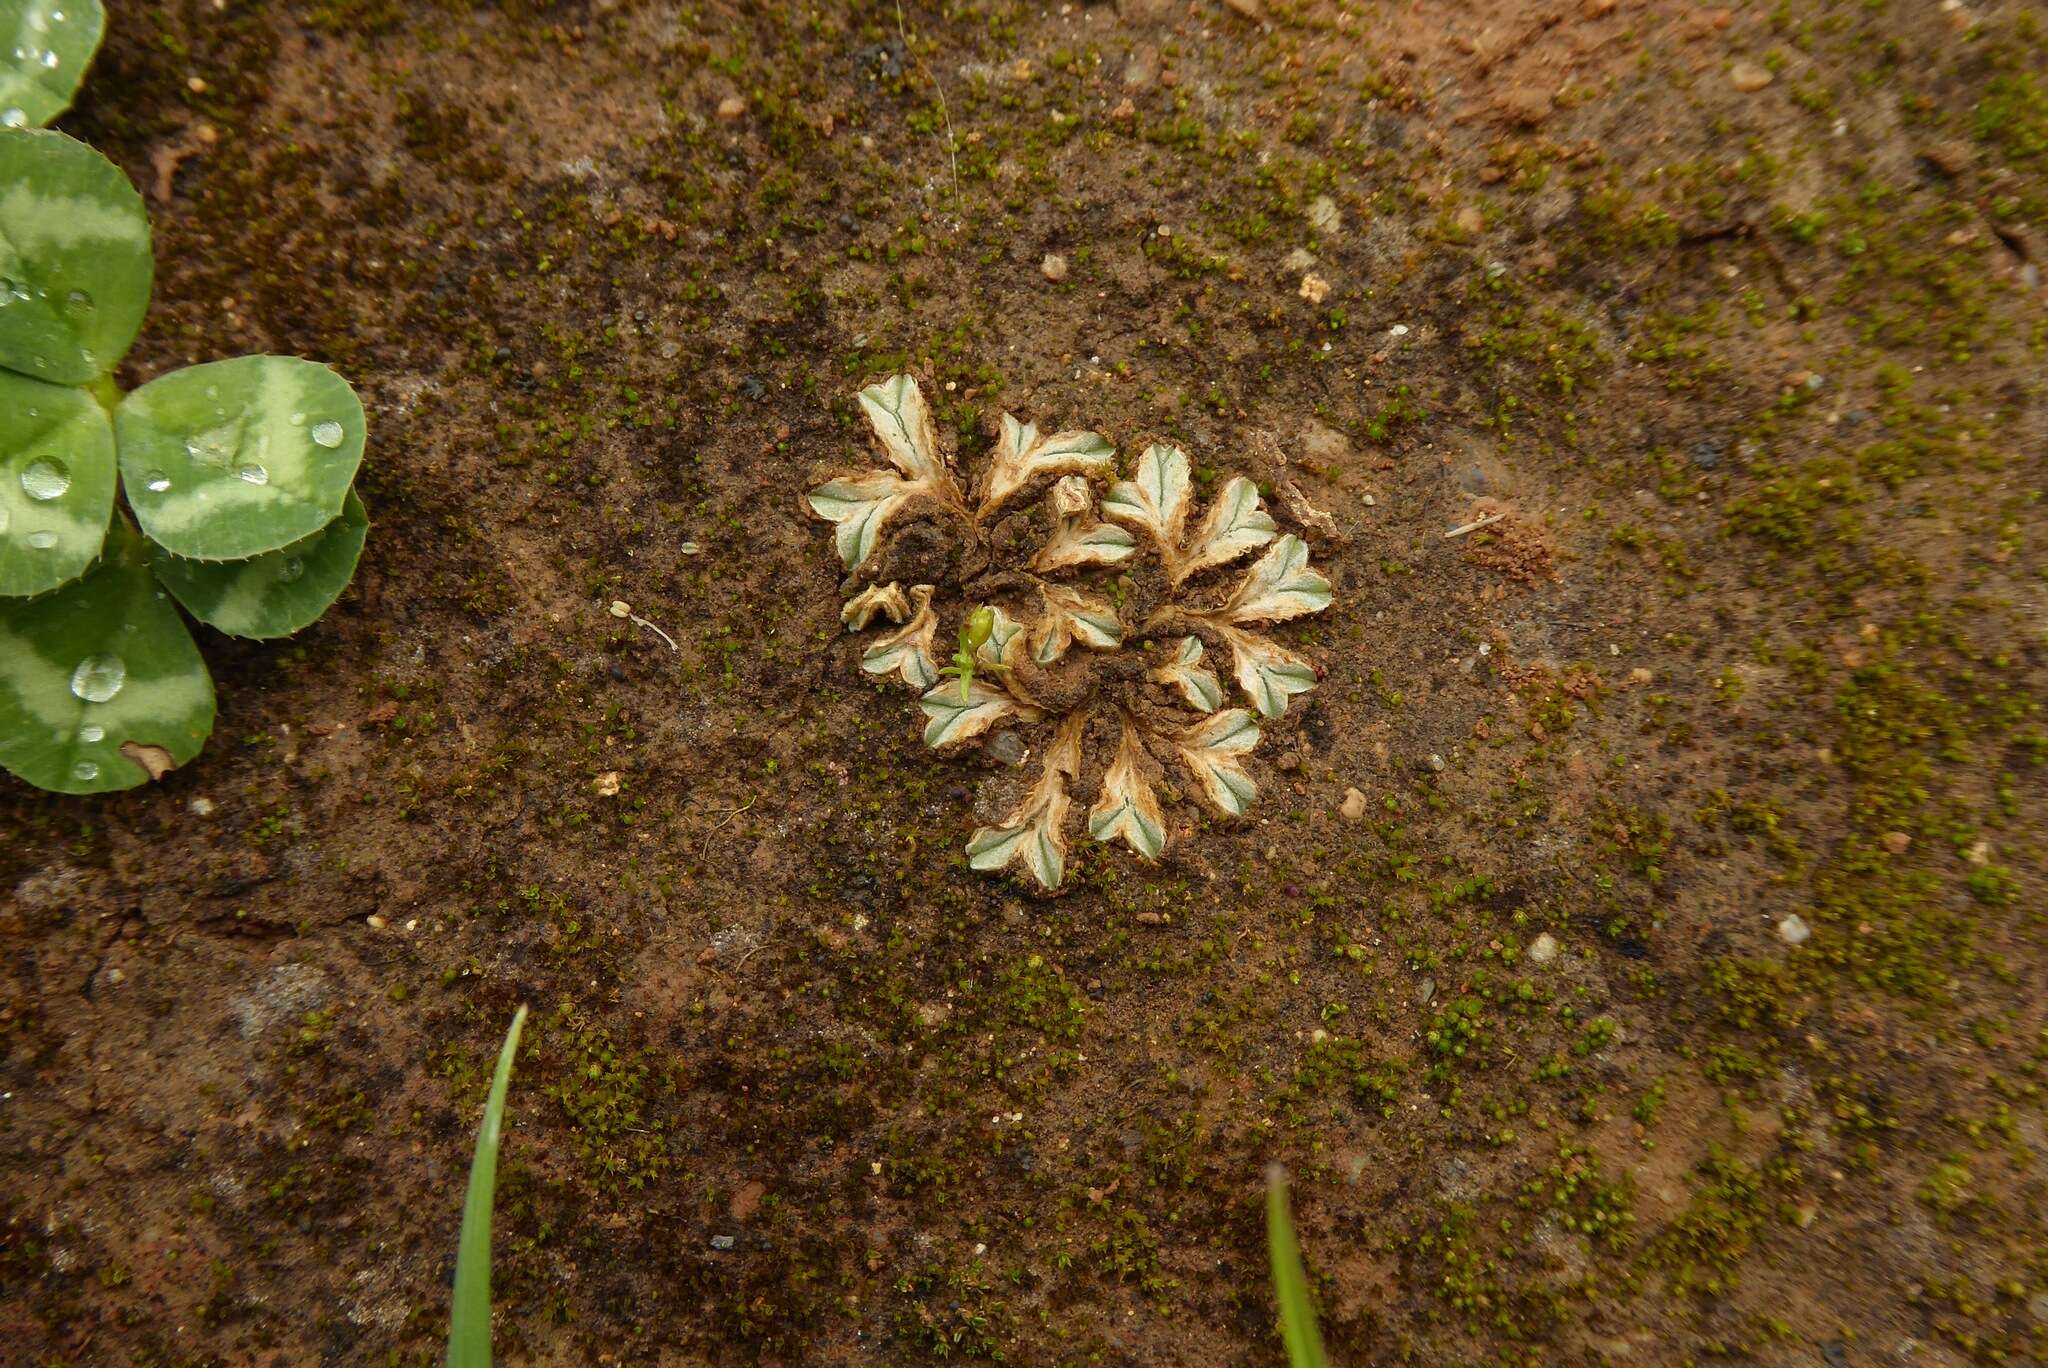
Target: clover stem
pixel 107 393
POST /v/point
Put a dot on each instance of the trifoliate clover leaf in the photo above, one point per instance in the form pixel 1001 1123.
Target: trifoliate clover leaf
pixel 1155 499
pixel 1022 456
pixel 1185 672
pixel 101 687
pixel 1034 835
pixel 45 47
pixel 75 262
pixel 1127 808
pixel 908 652
pixel 1234 526
pixel 1072 616
pixel 1079 540
pixel 954 719
pixel 233 459
pixel 884 600
pixel 1268 673
pixel 56 484
pixel 274 594
pixel 1210 749
pixel 1279 587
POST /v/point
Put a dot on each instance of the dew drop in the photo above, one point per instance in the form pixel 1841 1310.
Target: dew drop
pixel 99 677
pixel 215 446
pixel 13 118
pixel 42 541
pixel 78 302
pixel 298 420
pixel 50 61
pixel 85 771
pixel 327 434
pixel 89 733
pixel 158 482
pixel 252 474
pixel 290 571
pixel 45 478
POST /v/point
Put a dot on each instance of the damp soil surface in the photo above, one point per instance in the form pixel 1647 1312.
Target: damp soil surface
pixel 1635 951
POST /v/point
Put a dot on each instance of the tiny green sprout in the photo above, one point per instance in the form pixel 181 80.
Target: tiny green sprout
pixel 224 489
pixel 974 634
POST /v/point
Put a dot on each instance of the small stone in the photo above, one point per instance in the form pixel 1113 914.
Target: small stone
pixel 1371 502
pixel 2037 1306
pixel 606 785
pixel 1794 930
pixel 200 807
pixel 1748 77
pixel 1897 842
pixel 730 109
pixel 1527 105
pixel 1639 675
pixel 1435 762
pixel 1324 216
pixel 1314 288
pixel 723 1241
pixel 1594 9
pixel 1470 221
pixel 1290 762
pixel 1543 949
pixel 1007 747
pixel 1352 809
pixel 375 922
pixel 1706 454
pixel 1151 919
pixel 1425 990
pixel 1053 268
pixel 1979 854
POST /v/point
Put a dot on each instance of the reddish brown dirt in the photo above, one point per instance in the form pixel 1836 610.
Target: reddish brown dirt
pixel 1757 375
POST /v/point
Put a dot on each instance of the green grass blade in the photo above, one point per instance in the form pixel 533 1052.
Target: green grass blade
pixel 1290 1283
pixel 469 1318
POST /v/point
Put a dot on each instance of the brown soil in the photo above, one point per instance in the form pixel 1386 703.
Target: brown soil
pixel 1756 374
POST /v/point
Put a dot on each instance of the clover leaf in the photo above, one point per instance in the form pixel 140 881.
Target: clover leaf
pixel 101 686
pixel 75 264
pixel 45 47
pixel 56 483
pixel 239 473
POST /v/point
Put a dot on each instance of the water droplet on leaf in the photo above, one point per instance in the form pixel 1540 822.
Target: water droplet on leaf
pixel 42 541
pixel 158 482
pixel 291 570
pixel 90 733
pixel 45 478
pixel 13 118
pixel 99 677
pixel 85 771
pixel 252 474
pixel 327 434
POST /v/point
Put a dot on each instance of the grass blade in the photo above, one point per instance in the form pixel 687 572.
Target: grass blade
pixel 469 1317
pixel 1290 1282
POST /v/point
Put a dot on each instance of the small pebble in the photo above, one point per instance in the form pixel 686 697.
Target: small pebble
pixel 1436 762
pixel 1794 930
pixel 1748 77
pixel 1897 842
pixel 1470 220
pixel 729 109
pixel 1543 949
pixel 1053 268
pixel 723 1241
pixel 1314 288
pixel 375 922
pixel 1352 809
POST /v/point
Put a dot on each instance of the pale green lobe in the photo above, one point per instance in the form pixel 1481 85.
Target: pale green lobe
pixel 903 425
pixel 1197 684
pixel 75 263
pixel 1036 844
pixel 859 506
pixel 56 484
pixel 1155 497
pixel 45 47
pixel 1234 526
pixel 141 664
pixel 1210 750
pixel 1280 586
pixel 232 459
pixel 953 719
pixel 274 594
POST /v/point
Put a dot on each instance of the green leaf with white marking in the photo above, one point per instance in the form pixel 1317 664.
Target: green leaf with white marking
pixel 1128 807
pixel 1268 673
pixel 1155 498
pixel 1196 682
pixel 56 484
pixel 232 459
pixel 903 427
pixel 1035 833
pixel 1070 617
pixel 75 262
pixel 860 506
pixel 101 686
pixel 277 593
pixel 1022 457
pixel 1210 749
pixel 1234 526
pixel 1279 587
pixel 45 47
pixel 953 719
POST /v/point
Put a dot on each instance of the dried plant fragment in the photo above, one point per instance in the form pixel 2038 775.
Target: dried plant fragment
pixel 908 652
pixel 885 600
pixel 1080 540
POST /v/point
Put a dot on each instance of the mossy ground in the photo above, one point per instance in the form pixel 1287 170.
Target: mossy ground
pixel 1757 378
